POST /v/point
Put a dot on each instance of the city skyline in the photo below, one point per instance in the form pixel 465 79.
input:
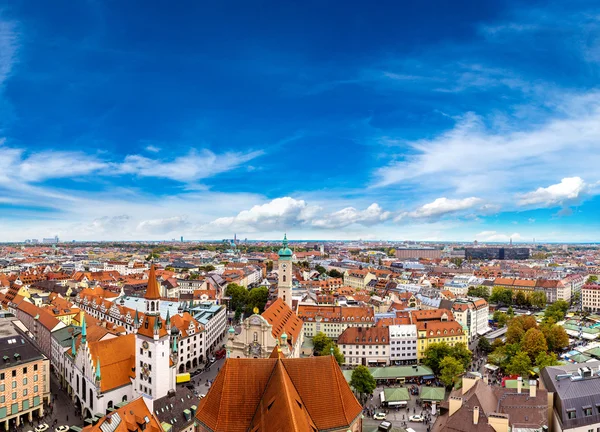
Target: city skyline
pixel 136 122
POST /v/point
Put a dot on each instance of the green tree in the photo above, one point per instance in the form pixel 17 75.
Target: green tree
pixel 339 357
pixel 434 354
pixel 525 321
pixel 479 291
pixel 556 336
pixel 520 365
pixel 514 333
pixel 556 311
pixel 239 297
pixel 320 341
pixel 543 360
pixel 533 343
pixel 501 318
pixel 538 299
pixel 321 269
pixel 501 295
pixel 592 279
pixel 520 298
pixel 194 276
pixel 362 381
pixel 391 252
pixel 484 345
pixel 510 312
pixel 450 370
pixel 269 266
pixel 257 298
pixel 335 274
pixel 461 353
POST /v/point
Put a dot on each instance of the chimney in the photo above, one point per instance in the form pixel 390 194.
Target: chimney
pixel 475 415
pixel 532 388
pixel 519 384
pixel 454 404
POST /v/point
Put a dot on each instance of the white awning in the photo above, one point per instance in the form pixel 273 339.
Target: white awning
pixel 398 403
pixel 491 367
pixel 484 331
pixel 382 397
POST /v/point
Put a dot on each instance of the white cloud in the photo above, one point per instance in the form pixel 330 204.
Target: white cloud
pixel 8 48
pixel 567 191
pixel 164 225
pixel 442 206
pixel 372 215
pixel 152 149
pixel 494 236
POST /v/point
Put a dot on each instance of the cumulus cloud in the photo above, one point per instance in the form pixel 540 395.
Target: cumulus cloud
pixel 372 215
pixel 494 236
pixel 163 226
pixel 569 190
pixel 441 207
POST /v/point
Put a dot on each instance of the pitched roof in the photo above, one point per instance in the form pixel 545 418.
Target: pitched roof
pixel 249 393
pixel 283 319
pixel 131 417
pixel 117 358
pixel 153 291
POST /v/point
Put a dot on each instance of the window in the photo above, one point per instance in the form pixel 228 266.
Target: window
pixel 14 395
pixel 14 384
pixel 150 354
pixel 35 389
pixel 571 414
pixel 14 373
pixel 2 376
pixel 25 392
pixel 24 370
pixel 35 378
pixel 24 381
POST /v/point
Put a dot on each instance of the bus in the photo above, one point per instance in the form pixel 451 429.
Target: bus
pixel 182 378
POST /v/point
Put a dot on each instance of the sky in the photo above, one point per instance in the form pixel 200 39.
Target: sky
pixel 434 121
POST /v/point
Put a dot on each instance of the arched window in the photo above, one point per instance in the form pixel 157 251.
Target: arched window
pixel 255 336
pixel 152 306
pixel 284 278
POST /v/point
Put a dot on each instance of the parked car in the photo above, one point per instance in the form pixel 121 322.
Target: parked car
pixel 379 416
pixel 416 418
pixel 212 360
pixel 42 427
pixel 62 428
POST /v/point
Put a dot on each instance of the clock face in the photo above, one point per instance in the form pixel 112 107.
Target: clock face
pixel 284 266
pixel 145 345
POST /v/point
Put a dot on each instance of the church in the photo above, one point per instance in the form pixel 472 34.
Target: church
pixel 278 328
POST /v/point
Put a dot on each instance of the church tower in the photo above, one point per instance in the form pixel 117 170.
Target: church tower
pixel 154 372
pixel 284 283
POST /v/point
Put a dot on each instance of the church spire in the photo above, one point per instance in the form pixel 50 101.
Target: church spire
pixel 136 319
pixel 73 351
pixel 152 292
pixel 98 376
pixel 168 320
pixel 83 330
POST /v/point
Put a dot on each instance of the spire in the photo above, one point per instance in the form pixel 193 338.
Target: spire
pixel 285 242
pixel 175 344
pixel 73 346
pixel 98 376
pixel 136 319
pixel 168 320
pixel 152 292
pixel 83 330
pixel 157 324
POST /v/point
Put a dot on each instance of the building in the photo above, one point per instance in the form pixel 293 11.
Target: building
pixel 278 327
pixel 478 407
pixel 368 346
pixel 133 416
pixel 434 331
pixel 333 320
pixel 284 283
pixel 40 324
pixel 274 394
pixel 403 344
pixel 357 278
pixel 472 314
pixel 176 410
pixel 590 297
pixel 415 253
pixel 575 394
pixel 24 378
pixel 498 253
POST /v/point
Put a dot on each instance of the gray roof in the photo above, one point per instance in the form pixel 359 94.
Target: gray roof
pixel 574 395
pixel 170 408
pixel 15 348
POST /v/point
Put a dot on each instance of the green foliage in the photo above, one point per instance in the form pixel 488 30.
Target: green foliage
pixel 362 381
pixel 339 357
pixel 556 311
pixel 335 274
pixel 321 269
pixel 510 312
pixel 480 291
pixel 461 353
pixel 520 365
pixel 269 266
pixel 501 295
pixel 521 299
pixel 501 318
pixel 450 370
pixel 194 276
pixel 538 299
pixel 391 252
pixel 556 336
pixel 239 296
pixel 543 360
pixel 320 341
pixel 533 343
pixel 592 279
pixel 514 334
pixel 207 267
pixel 457 261
pixel 169 268
pixel 435 353
pixel 484 345
pixel 257 297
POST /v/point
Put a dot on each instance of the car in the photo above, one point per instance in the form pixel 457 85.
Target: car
pixel 62 428
pixel 42 427
pixel 379 416
pixel 416 418
pixel 212 359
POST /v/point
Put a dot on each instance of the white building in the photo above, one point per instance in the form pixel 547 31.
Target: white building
pixel 403 343
pixel 473 315
pixel 367 346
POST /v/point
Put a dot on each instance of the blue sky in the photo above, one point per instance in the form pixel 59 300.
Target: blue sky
pixel 345 120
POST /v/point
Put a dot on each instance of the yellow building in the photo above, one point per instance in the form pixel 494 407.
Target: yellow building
pixel 357 278
pixel 430 332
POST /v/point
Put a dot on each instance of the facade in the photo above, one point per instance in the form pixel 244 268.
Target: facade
pixel 333 320
pixel 403 343
pixel 358 279
pixel 590 297
pixel 284 283
pixel 133 416
pixel 40 324
pixel 368 346
pixel 575 392
pixel 473 315
pixel 24 378
pixel 280 397
pixel 450 332
pixel 490 253
pixel 414 253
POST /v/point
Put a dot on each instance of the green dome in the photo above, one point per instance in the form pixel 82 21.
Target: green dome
pixel 231 330
pixel 285 251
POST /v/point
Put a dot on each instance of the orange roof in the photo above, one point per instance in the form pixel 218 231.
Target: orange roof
pixel 147 326
pixel 153 291
pixel 283 319
pixel 364 336
pixel 445 328
pixel 132 417
pixel 182 322
pixel 274 394
pixel 117 359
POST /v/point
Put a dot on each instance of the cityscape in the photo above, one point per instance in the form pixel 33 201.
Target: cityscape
pixel 299 216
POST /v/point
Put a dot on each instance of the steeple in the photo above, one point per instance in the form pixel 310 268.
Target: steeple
pixel 83 330
pixel 73 346
pixel 136 319
pixel 175 344
pixel 98 376
pixel 168 321
pixel 153 291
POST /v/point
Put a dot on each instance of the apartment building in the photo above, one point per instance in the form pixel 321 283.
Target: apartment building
pixel 24 378
pixel 472 314
pixel 357 278
pixel 416 253
pixel 590 297
pixel 403 343
pixel 450 332
pixel 368 346
pixel 333 320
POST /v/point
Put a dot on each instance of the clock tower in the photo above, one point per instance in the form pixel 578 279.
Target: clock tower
pixel 284 283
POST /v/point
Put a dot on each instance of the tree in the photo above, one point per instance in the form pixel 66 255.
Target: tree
pixel 534 343
pixel 339 357
pixel 480 291
pixel 484 345
pixel 257 298
pixel 335 274
pixel 510 312
pixel 520 298
pixel 546 359
pixel 321 269
pixel 269 266
pixel 556 336
pixel 525 321
pixel 556 310
pixel 514 333
pixel 592 279
pixel 239 296
pixel 450 370
pixel 434 354
pixel 320 341
pixel 520 365
pixel 501 318
pixel 362 381
pixel 461 353
pixel 391 252
pixel 538 299
pixel 501 295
